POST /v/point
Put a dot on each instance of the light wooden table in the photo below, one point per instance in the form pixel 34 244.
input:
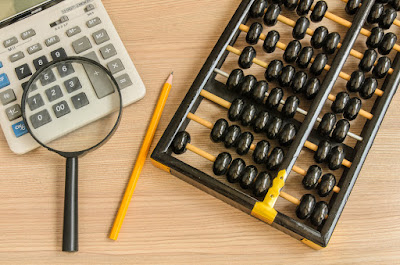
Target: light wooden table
pixel 168 220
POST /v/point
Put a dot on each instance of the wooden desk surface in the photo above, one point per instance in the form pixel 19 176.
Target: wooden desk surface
pixel 170 221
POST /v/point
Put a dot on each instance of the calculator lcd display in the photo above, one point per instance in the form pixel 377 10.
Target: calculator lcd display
pixel 9 8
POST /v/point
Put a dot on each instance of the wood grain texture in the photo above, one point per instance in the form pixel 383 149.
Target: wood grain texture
pixel 168 220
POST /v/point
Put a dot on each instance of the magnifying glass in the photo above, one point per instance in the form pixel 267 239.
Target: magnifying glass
pixel 71 106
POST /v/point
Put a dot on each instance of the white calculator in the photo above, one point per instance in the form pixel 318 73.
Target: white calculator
pixel 34 32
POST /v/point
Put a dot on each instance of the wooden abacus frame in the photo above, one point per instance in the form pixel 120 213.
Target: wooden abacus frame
pixel 162 154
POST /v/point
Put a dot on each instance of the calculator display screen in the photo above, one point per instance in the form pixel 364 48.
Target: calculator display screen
pixel 9 8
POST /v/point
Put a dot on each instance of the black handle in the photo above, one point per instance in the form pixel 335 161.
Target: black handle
pixel 70 230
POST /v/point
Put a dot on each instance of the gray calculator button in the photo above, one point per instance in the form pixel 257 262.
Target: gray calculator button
pixel 81 45
pixel 34 48
pixel 93 56
pixel 35 102
pixel 89 7
pixel 47 77
pixel 27 34
pixel 13 112
pixel 100 82
pixel 72 84
pixel 7 96
pixel 54 93
pixel 93 22
pixel 39 119
pixel 60 109
pixel 100 36
pixel 80 100
pixel 73 31
pixel 32 88
pixel 10 42
pixel 108 51
pixel 16 56
pixel 52 40
pixel 123 81
pixel 115 66
pixel 65 69
pixel 64 19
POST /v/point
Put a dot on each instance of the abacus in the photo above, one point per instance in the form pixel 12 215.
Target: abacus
pixel 283 111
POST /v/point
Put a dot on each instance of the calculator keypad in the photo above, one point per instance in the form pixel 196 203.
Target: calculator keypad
pixel 16 56
pixel 81 45
pixel 100 36
pixel 60 109
pixel 13 112
pixel 23 71
pixel 39 62
pixel 39 119
pixel 80 100
pixel 54 93
pixel 7 96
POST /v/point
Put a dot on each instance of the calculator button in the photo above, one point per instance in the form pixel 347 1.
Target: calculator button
pixel 100 36
pixel 93 22
pixel 4 80
pixel 47 77
pixel 80 100
pixel 93 56
pixel 52 40
pixel 10 42
pixel 65 69
pixel 73 31
pixel 1 65
pixel 35 102
pixel 81 45
pixel 27 34
pixel 64 19
pixel 23 71
pixel 34 48
pixel 54 93
pixel 19 129
pixel 100 82
pixel 72 84
pixel 7 97
pixel 39 119
pixel 39 62
pixel 89 7
pixel 108 51
pixel 58 54
pixel 60 109
pixel 115 66
pixel 33 86
pixel 123 81
pixel 13 112
pixel 16 56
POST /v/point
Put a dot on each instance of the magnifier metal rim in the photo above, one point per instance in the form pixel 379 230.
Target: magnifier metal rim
pixel 47 66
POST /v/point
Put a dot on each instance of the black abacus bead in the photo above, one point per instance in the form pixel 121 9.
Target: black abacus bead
pixel 299 81
pixel 336 157
pixel 319 214
pixel 287 134
pixel 368 60
pixel 303 7
pixel 248 115
pixel 246 57
pixel 356 81
pixel 253 35
pixel 305 56
pixel 221 164
pixel 273 128
pixel 306 206
pixel 352 109
pixel 323 151
pixel 259 90
pixel 261 121
pixel 257 9
pixel 341 130
pixel 275 158
pixel 232 135
pixel 244 142
pixel 368 88
pixel 382 67
pixel 319 63
pixel 310 180
pixel 290 4
pixel 262 184
pixel 271 16
pixel 326 125
pixel 340 103
pixel 274 98
pixel 376 37
pixel 395 4
pixel 352 6
pixel 270 41
pixel 260 153
pixel 387 18
pixel 300 28
pixel 181 139
pixel 235 79
pixel 292 51
pixel 248 176
pixel 375 13
pixel 219 130
pixel 312 87
pixel 236 109
pixel 331 43
pixel 328 182
pixel 286 77
pixel 319 11
pixel 387 44
pixel 235 170
pixel 247 85
pixel 319 37
pixel 290 107
pixel 273 71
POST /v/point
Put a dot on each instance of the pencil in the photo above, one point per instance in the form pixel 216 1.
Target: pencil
pixel 144 150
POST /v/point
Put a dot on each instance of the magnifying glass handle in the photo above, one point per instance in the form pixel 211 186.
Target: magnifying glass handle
pixel 70 230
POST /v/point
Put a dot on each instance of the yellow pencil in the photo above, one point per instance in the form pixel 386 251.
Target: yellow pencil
pixel 144 150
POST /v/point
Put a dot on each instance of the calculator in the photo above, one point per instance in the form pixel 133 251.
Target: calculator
pixel 36 32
